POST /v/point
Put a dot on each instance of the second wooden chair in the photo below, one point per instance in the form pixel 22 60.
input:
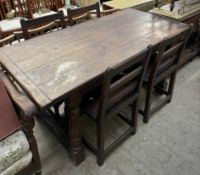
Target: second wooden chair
pixel 164 66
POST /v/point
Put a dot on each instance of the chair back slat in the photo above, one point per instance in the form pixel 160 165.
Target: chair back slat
pixel 7 41
pixel 172 52
pixel 122 83
pixel 122 96
pixel 125 79
pixel 82 10
pixel 31 23
pixel 109 11
pixel 41 30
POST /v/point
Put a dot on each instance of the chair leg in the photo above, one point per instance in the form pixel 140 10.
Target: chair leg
pixel 147 107
pixel 100 143
pixel 28 130
pixel 171 86
pixel 36 157
pixel 134 116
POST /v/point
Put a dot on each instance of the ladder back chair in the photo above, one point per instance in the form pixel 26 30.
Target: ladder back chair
pixel 165 67
pixel 7 41
pixel 116 92
pixel 81 13
pixel 37 26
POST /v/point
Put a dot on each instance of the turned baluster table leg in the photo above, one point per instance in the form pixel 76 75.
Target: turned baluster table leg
pixel 75 144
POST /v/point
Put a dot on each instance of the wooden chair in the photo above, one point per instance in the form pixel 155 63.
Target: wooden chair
pixel 164 66
pixel 7 41
pixel 78 14
pixel 20 152
pixel 34 27
pixel 116 92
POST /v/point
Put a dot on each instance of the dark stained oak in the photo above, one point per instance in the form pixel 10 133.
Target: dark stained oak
pixel 57 65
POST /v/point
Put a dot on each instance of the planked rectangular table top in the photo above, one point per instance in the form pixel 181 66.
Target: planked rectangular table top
pixel 57 63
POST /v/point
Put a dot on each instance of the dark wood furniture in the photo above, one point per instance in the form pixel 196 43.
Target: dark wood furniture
pixel 116 92
pixel 190 14
pixel 164 66
pixel 25 110
pixel 74 14
pixel 42 21
pixel 52 73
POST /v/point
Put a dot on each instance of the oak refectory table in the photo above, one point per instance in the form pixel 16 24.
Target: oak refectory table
pixel 58 66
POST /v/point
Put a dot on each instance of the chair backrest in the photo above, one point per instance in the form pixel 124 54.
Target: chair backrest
pixel 122 83
pixel 71 13
pixel 7 41
pixel 42 24
pixel 169 55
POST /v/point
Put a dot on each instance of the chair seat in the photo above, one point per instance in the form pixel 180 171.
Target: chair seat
pixel 91 102
pixel 10 24
pixel 13 148
pixel 19 165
